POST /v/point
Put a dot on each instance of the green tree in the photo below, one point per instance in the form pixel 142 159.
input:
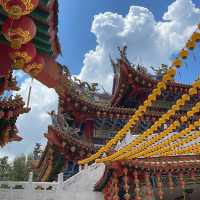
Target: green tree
pixel 18 169
pixel 5 168
pixel 21 168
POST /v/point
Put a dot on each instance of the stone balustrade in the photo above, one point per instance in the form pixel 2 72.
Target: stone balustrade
pixel 31 190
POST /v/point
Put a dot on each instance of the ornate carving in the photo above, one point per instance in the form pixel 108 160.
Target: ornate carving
pixel 24 7
pixel 60 121
pixel 160 71
pixel 83 84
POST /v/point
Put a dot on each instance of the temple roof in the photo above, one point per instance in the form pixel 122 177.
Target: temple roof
pixel 134 80
pixel 10 109
pixel 73 99
pixel 57 137
pixel 64 146
pixel 8 82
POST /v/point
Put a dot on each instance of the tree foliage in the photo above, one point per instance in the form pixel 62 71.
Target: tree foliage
pixel 5 168
pixel 16 170
pixel 19 168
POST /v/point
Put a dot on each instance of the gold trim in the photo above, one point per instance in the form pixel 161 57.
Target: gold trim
pixel 16 11
pixel 23 37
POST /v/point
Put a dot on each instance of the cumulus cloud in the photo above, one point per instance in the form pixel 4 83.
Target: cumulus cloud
pixel 34 124
pixel 20 76
pixel 149 42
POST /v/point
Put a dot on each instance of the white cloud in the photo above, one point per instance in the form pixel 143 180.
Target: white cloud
pixel 150 42
pixel 20 76
pixel 34 124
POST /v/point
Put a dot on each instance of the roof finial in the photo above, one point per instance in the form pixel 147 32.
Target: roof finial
pixel 122 52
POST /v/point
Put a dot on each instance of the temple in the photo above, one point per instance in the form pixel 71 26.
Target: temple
pixel 153 178
pixel 93 118
pixel 88 118
pixel 10 109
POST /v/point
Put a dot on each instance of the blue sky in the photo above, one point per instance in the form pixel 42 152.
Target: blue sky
pixel 87 53
pixel 191 68
pixel 75 20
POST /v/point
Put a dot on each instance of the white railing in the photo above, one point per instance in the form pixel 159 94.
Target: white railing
pixel 31 190
pixel 59 190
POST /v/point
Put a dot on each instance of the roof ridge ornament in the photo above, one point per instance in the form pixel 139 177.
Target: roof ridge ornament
pixel 160 71
pixel 123 54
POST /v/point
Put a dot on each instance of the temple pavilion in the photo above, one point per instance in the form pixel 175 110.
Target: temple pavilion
pixel 160 158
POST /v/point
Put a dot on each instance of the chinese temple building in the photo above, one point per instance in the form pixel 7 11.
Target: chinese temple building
pixel 171 178
pixel 8 83
pixel 97 117
pixel 10 109
pixel 147 106
pixel 62 154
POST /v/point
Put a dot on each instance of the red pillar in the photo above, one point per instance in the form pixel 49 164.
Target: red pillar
pixel 89 129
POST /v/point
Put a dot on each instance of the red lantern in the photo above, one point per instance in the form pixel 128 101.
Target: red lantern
pixel 35 67
pixel 19 31
pixel 17 8
pixel 24 55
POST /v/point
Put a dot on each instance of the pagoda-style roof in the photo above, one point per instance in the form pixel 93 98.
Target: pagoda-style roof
pixel 8 82
pixel 83 106
pixel 135 81
pixel 10 109
pixel 44 165
pixel 61 148
pixel 62 139
pixel 130 84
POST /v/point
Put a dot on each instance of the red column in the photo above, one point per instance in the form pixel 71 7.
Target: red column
pixel 89 129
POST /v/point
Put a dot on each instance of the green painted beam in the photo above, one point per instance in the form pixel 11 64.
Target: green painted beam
pixel 45 1
pixel 42 36
pixel 42 48
pixel 39 40
pixel 41 45
pixel 40 15
pixel 41 28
